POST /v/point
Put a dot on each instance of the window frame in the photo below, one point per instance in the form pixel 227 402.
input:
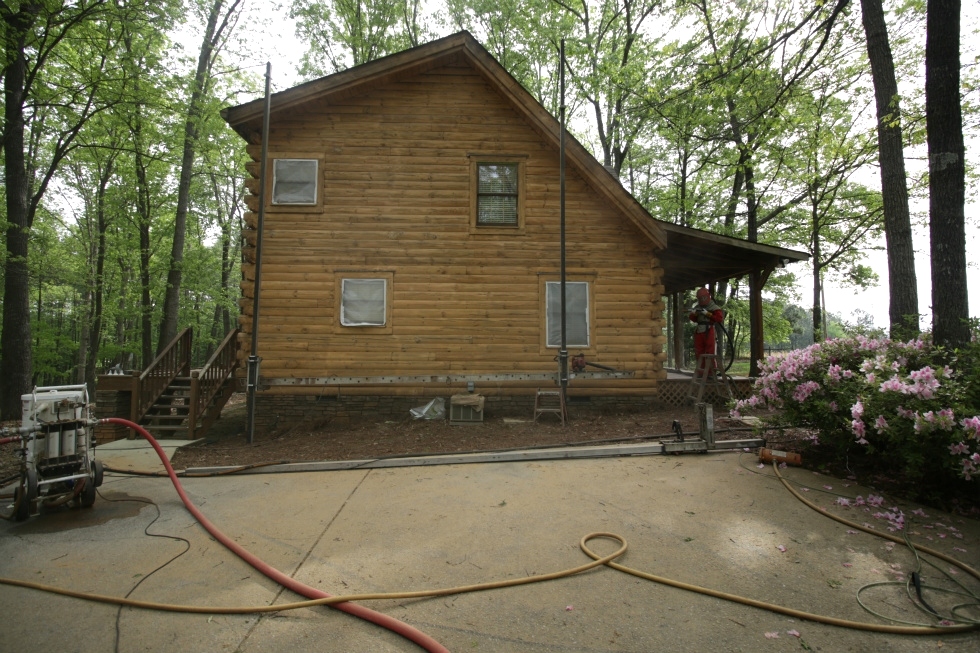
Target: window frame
pixel 383 275
pixel 590 316
pixel 274 157
pixel 478 160
pixel 316 181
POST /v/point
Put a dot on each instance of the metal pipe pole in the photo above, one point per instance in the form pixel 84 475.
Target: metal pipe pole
pixel 563 352
pixel 253 359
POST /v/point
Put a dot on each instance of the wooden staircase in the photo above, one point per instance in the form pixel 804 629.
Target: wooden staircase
pixel 169 399
pixel 170 414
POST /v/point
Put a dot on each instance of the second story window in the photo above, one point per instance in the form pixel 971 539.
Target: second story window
pixel 497 194
pixel 294 182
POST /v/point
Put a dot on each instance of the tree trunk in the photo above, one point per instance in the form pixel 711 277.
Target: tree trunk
pixel 903 297
pixel 816 262
pixel 95 325
pixel 944 133
pixel 171 302
pixel 15 342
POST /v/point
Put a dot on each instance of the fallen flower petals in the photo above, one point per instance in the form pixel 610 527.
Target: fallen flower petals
pixel 956 548
pixel 847 564
pixel 794 633
pixel 772 635
pixel 828 487
pixel 569 608
pixel 781 548
pixel 850 532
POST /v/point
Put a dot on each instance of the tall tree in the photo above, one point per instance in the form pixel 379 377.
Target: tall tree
pixel 947 184
pixel 221 20
pixel 903 297
pixel 51 83
pixel 345 33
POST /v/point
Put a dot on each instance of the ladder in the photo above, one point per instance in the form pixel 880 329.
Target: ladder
pixel 710 372
pixel 550 401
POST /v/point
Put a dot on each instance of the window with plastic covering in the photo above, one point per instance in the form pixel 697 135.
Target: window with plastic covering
pixel 576 314
pixel 294 182
pixel 364 302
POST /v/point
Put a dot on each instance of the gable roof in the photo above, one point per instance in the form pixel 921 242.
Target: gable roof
pixel 690 257
pixel 246 119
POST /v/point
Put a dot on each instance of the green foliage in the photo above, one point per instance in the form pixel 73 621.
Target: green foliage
pixel 345 33
pixel 907 411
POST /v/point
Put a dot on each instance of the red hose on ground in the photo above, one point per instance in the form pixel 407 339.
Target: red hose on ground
pixel 14 438
pixel 398 627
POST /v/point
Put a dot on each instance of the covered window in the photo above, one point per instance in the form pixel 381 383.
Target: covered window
pixel 497 194
pixel 294 181
pixel 364 302
pixel 576 313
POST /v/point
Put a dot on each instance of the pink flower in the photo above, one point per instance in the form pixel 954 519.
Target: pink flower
pixel 945 419
pixel 972 426
pixel 857 410
pixel 794 633
pixel 957 449
pixel 834 373
pixel 772 635
pixel 881 424
pixel 893 384
pixel 804 390
pixel 857 427
pixel 781 548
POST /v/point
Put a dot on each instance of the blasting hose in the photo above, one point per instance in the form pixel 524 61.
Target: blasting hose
pixel 318 597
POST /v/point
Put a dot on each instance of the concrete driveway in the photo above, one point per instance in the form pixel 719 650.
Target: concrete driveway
pixel 712 520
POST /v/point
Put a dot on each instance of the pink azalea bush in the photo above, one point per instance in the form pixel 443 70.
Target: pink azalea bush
pixel 901 406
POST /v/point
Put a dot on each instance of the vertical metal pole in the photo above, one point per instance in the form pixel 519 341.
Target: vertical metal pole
pixel 563 352
pixel 253 359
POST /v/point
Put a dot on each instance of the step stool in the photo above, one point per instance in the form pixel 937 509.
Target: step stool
pixel 703 378
pixel 550 401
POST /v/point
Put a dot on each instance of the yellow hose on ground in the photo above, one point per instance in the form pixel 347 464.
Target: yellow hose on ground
pixel 598 560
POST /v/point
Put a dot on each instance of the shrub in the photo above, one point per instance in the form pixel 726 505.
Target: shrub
pixel 903 410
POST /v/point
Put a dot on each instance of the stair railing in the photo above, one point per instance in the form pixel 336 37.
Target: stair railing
pixel 207 382
pixel 172 362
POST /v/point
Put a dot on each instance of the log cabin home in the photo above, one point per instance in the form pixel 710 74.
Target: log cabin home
pixel 410 247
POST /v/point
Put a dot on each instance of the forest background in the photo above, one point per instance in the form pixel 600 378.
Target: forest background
pixel 123 187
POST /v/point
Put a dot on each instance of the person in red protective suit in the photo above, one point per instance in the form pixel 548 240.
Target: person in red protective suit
pixel 705 313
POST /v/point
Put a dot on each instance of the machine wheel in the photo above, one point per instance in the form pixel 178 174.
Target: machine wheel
pixel 87 497
pixel 25 494
pixel 97 472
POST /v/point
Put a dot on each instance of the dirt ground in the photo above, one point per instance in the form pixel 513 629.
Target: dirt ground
pixel 226 443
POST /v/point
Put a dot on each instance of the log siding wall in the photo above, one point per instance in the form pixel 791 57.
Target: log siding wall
pixel 395 201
